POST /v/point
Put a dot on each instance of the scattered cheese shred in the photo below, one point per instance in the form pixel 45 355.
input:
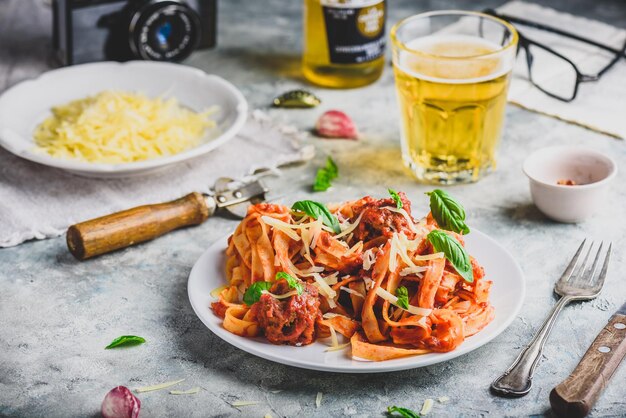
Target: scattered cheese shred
pixel 350 228
pixel 318 399
pixel 351 291
pixel 116 127
pixel 216 292
pixel 339 347
pixel 287 229
pixel 427 407
pixel 159 386
pixel 191 391
pixel 415 310
pixel 283 296
pixel 443 399
pixel 239 404
pixel 267 416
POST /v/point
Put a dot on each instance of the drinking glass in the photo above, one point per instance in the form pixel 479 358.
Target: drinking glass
pixel 452 71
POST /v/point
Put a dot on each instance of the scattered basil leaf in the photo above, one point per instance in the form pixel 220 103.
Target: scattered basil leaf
pixel 396 198
pixel 316 211
pixel 125 340
pixel 403 412
pixel 325 175
pixel 293 282
pixel 448 213
pixel 254 292
pixel 403 297
pixel 453 251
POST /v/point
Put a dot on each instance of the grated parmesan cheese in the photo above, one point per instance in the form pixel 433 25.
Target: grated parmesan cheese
pixel 159 386
pixel 318 399
pixel 116 127
pixel 191 391
pixel 427 407
pixel 350 227
pixel 351 291
pixel 415 310
pixel 215 293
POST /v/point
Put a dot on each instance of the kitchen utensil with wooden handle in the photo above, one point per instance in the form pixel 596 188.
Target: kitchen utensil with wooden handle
pixel 576 395
pixel 579 281
pixel 122 229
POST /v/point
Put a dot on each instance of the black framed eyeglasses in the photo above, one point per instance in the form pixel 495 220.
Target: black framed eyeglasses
pixel 544 57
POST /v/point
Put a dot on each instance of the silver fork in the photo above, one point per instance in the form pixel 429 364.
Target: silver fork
pixel 579 281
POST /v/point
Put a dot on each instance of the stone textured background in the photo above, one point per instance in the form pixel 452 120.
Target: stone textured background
pixel 57 314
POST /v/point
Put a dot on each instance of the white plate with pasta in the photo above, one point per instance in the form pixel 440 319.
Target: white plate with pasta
pixel 137 117
pixel 220 288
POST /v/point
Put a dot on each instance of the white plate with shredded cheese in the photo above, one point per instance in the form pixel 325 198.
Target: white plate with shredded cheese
pixel 507 296
pixel 159 114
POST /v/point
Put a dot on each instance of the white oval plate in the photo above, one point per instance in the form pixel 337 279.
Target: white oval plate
pixel 507 296
pixel 28 103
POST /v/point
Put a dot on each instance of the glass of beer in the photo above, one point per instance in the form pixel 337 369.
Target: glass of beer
pixel 452 73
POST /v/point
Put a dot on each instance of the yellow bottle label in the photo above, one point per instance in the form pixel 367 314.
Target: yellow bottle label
pixel 355 30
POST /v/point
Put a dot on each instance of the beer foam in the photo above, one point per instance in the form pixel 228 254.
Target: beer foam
pixel 454 59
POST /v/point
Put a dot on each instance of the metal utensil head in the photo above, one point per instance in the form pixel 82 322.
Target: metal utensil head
pixel 581 279
pixel 236 197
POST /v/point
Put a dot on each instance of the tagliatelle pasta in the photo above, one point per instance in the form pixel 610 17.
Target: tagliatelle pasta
pixel 379 283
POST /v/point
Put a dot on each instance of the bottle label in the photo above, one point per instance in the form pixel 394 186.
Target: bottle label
pixel 355 30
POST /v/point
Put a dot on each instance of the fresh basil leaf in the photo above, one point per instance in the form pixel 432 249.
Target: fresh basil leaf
pixel 126 340
pixel 448 213
pixel 454 252
pixel 403 412
pixel 325 176
pixel 402 294
pixel 293 282
pixel 316 211
pixel 254 292
pixel 396 198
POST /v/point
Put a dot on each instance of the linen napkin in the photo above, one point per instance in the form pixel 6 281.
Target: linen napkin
pixel 38 202
pixel 599 105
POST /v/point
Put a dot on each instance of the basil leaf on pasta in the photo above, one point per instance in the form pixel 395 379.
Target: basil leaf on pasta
pixel 318 211
pixel 293 282
pixel 448 212
pixel 453 251
pixel 325 175
pixel 402 412
pixel 396 198
pixel 254 292
pixel 126 340
pixel 402 294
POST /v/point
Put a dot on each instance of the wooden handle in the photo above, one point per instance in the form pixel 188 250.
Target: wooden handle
pixel 122 229
pixel 575 396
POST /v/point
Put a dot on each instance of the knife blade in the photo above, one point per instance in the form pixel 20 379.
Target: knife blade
pixel 576 395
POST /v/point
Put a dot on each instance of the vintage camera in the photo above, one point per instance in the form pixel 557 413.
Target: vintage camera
pixel 157 30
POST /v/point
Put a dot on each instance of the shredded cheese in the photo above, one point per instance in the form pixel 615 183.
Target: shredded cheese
pixel 417 271
pixel 339 347
pixel 239 404
pixel 443 399
pixel 318 399
pixel 405 215
pixel 350 227
pixel 369 258
pixel 215 293
pixel 159 386
pixel 427 407
pixel 351 291
pixel 287 229
pixel 415 310
pixel 191 391
pixel 116 127
pixel 325 289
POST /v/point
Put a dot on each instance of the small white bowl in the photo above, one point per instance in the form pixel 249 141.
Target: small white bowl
pixel 591 170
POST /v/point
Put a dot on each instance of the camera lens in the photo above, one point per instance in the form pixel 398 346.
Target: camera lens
pixel 164 31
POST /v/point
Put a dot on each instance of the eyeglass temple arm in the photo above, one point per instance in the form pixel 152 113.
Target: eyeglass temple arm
pixel 536 25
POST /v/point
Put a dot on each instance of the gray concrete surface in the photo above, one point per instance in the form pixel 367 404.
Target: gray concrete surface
pixel 56 314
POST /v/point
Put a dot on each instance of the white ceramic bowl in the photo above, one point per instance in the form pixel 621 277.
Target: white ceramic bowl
pixel 591 170
pixel 27 104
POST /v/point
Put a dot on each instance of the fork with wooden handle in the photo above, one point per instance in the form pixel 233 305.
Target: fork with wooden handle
pixel 575 396
pixel 579 281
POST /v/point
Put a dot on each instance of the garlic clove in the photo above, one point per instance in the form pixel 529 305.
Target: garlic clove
pixel 336 124
pixel 120 403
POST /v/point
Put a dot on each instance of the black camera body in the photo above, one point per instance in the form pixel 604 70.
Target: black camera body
pixel 123 30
